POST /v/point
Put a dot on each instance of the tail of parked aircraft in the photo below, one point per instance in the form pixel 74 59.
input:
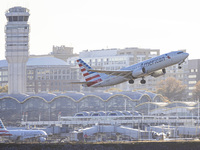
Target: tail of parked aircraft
pixel 91 78
pixel 2 127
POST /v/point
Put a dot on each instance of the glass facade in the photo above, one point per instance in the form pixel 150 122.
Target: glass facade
pixel 47 107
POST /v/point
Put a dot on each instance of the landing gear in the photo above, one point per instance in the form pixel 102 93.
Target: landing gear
pixel 179 67
pixel 131 81
pixel 143 81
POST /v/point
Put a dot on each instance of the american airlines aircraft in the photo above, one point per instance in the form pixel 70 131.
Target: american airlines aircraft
pixel 22 135
pixel 154 67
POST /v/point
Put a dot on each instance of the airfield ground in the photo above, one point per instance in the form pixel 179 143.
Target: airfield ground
pixel 180 145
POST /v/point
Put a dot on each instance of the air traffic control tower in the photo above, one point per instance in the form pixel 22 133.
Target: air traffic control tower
pixel 17 48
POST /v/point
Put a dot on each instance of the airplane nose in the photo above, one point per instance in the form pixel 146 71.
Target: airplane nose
pixel 186 55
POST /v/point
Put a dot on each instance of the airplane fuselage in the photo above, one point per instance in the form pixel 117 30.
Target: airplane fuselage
pixel 21 135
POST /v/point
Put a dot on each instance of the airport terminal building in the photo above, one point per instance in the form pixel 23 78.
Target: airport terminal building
pixel 48 74
pixel 47 107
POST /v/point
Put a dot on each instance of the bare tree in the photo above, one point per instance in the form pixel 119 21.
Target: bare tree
pixel 171 88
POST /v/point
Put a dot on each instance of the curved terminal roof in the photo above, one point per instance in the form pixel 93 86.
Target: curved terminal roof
pixel 41 61
pixel 181 104
pixel 75 96
pixel 103 95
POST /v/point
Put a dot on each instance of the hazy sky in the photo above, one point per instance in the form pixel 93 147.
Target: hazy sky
pixel 98 24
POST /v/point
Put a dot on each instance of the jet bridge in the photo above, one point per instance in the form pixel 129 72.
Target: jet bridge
pixel 99 130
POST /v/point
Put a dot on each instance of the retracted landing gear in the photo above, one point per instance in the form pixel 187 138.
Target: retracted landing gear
pixel 131 81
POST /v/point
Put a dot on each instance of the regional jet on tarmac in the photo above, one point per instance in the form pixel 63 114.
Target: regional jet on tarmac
pixel 154 67
pixel 22 135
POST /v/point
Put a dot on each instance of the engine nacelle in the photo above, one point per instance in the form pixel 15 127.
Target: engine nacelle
pixel 158 73
pixel 138 72
pixel 42 139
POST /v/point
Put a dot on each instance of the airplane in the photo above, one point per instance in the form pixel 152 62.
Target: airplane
pixel 22 135
pixel 154 67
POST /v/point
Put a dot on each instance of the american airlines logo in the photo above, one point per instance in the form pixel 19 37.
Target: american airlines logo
pixel 154 61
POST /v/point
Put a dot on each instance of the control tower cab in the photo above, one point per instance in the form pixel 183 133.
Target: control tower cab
pixel 17 48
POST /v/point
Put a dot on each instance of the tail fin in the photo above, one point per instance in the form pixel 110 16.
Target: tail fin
pixel 2 127
pixel 90 77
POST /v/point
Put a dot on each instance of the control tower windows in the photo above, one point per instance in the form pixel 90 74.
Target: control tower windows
pixel 17 18
pixel 21 18
pixel 9 19
pixel 25 18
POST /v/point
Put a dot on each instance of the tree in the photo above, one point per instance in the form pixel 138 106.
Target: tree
pixel 196 91
pixel 4 89
pixel 171 88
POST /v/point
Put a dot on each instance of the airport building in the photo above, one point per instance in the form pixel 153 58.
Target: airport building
pixel 17 48
pixel 40 91
pixel 47 107
pixel 193 75
pixel 47 74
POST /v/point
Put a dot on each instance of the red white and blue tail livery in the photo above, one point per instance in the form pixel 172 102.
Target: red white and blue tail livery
pixel 91 78
pixel 154 67
pixel 3 130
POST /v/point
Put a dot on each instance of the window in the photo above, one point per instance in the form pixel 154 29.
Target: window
pixel 192 82
pixel 179 52
pixel 21 18
pixel 191 88
pixel 25 18
pixel 10 19
pixel 192 76
pixel 15 18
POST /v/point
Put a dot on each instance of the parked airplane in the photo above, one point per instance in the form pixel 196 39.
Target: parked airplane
pixel 22 135
pixel 154 67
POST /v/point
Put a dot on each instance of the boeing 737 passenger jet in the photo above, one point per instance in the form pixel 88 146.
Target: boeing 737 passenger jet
pixel 22 135
pixel 154 67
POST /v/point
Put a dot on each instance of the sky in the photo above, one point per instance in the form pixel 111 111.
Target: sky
pixel 167 25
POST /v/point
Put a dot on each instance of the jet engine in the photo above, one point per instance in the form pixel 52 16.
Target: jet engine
pixel 42 139
pixel 159 73
pixel 138 72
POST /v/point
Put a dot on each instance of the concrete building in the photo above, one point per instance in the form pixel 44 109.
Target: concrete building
pixel 17 48
pixel 193 75
pixel 45 74
pixel 61 52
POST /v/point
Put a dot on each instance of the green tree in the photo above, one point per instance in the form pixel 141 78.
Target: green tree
pixel 171 88
pixel 196 91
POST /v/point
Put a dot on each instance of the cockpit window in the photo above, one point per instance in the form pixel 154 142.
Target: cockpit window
pixel 179 52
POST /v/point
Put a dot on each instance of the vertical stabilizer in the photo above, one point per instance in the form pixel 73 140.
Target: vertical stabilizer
pixel 90 77
pixel 2 127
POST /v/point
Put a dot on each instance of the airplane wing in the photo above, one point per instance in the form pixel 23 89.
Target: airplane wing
pixel 78 82
pixel 124 73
